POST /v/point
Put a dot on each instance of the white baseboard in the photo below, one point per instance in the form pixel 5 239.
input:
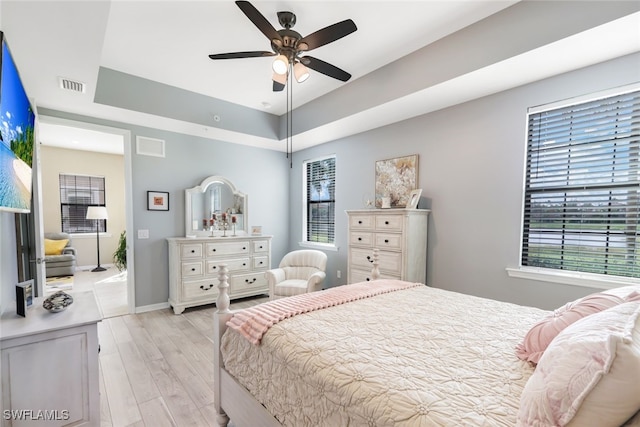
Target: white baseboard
pixel 152 307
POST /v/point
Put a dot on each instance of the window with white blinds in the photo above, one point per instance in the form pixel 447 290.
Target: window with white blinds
pixel 77 193
pixel 582 187
pixel 320 200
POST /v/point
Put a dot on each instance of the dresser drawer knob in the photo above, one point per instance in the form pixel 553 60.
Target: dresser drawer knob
pixel 244 248
pixel 386 223
pixel 214 267
pixel 359 239
pixel 386 240
pixel 193 251
pixel 359 222
pixel 244 264
pixel 207 288
pixel 250 281
pixel 367 279
pixel 193 269
pixel 214 249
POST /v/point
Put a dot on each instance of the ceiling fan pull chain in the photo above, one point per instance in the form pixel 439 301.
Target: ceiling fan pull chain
pixel 290 117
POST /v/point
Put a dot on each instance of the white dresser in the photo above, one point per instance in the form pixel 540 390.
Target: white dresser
pixel 50 368
pixel 194 265
pixel 401 238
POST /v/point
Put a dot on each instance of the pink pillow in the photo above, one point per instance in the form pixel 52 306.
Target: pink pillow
pixel 626 292
pixel 590 374
pixel 542 333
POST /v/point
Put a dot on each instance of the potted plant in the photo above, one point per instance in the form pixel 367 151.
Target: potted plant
pixel 120 255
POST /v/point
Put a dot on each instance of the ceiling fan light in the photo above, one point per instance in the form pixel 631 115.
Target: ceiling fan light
pixel 279 78
pixel 300 72
pixel 280 64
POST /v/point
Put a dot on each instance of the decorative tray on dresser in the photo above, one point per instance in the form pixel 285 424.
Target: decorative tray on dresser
pixel 194 265
pixel 400 235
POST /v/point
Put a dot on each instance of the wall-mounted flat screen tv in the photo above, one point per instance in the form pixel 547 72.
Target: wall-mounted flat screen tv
pixel 17 121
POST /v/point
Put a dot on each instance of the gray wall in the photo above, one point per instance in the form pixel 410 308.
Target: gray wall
pixel 471 165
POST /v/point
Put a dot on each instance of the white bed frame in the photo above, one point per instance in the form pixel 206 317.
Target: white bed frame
pixel 231 399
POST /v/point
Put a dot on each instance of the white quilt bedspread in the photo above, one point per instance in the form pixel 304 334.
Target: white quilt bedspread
pixel 416 357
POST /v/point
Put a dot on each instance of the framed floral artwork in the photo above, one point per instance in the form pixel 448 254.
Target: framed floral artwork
pixel 396 178
pixel 157 201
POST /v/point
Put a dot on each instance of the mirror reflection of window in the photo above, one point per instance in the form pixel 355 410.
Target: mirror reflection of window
pixel 216 203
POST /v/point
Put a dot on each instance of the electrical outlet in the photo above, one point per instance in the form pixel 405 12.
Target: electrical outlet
pixel 339 274
pixel 143 234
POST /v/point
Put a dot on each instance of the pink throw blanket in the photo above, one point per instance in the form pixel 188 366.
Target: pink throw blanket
pixel 254 322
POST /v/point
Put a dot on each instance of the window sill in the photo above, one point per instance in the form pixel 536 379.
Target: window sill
pixel 88 235
pixel 320 246
pixel 586 280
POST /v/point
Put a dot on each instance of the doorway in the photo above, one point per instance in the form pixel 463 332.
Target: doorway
pixel 86 149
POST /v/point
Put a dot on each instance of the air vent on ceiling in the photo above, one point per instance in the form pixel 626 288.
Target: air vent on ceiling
pixel 71 85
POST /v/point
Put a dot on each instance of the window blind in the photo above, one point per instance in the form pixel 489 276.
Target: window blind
pixel 77 193
pixel 320 195
pixel 582 187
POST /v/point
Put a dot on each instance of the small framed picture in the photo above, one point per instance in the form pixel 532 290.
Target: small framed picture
pixel 157 201
pixel 256 230
pixel 24 297
pixel 414 198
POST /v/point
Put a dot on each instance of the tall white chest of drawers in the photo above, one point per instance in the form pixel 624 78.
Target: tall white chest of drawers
pixel 194 266
pixel 400 235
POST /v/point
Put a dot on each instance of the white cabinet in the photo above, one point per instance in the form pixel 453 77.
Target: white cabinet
pixel 400 235
pixel 194 266
pixel 50 365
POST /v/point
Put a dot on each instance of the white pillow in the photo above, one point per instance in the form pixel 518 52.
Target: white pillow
pixel 589 375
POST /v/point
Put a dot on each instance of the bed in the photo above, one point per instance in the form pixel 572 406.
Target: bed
pixel 412 356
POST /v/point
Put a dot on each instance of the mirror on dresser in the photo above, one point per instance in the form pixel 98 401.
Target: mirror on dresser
pixel 208 201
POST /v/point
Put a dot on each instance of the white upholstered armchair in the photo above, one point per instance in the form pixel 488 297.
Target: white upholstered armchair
pixel 299 272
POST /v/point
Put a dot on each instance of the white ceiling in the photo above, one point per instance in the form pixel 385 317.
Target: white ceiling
pixel 168 42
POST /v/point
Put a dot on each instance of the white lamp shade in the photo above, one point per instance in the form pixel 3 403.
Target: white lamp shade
pixel 280 64
pixel 97 212
pixel 301 72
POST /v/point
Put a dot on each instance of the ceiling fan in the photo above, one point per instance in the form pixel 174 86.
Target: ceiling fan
pixel 288 46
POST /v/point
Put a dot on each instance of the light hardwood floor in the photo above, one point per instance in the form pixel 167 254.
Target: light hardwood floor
pixel 109 286
pixel 156 368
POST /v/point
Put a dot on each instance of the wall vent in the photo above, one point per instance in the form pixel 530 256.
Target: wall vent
pixel 149 146
pixel 72 85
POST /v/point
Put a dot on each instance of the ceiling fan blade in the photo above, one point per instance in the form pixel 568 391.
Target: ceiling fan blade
pixel 236 55
pixel 277 86
pixel 327 35
pixel 325 68
pixel 258 20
